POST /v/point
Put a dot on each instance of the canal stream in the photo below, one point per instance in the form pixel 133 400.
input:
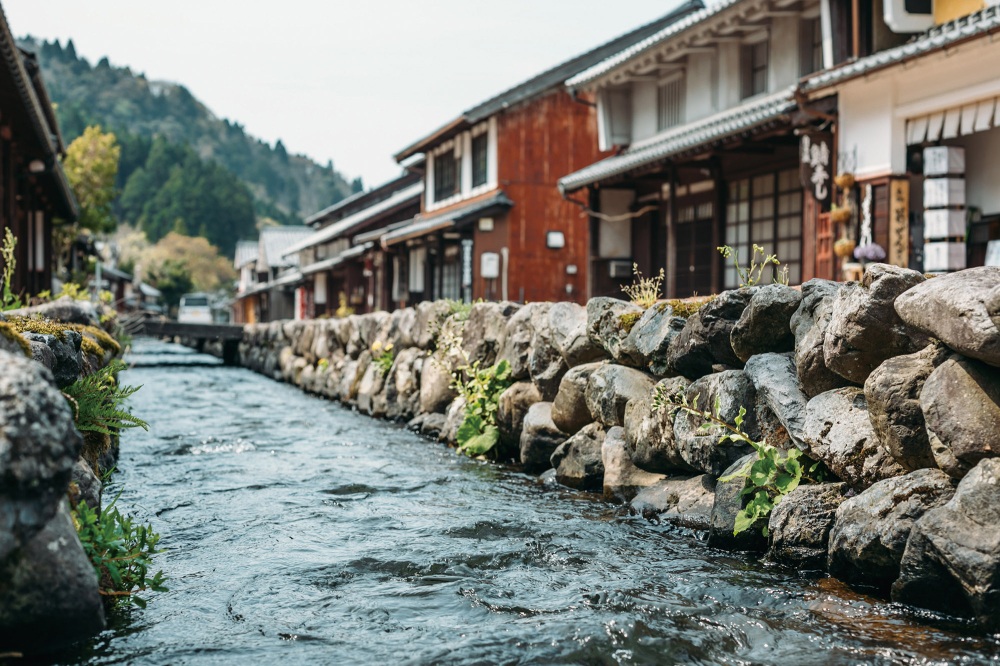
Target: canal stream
pixel 300 532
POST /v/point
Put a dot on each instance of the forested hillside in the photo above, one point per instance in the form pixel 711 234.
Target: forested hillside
pixel 181 167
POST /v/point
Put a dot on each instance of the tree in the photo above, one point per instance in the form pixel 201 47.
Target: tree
pixel 91 165
pixel 194 256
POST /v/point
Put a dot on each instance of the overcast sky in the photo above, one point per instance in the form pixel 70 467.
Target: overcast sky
pixel 352 81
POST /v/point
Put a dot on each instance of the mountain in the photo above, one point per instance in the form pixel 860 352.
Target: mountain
pixel 162 126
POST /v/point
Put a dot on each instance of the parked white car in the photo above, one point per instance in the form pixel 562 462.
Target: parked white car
pixel 195 309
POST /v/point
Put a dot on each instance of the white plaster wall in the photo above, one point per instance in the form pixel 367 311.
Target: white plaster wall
pixel 644 111
pixel 729 75
pixel 700 92
pixel 784 56
pixel 982 169
pixel 866 129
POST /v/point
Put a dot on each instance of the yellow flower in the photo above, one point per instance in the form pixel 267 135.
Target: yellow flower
pixel 388 347
pixel 376 346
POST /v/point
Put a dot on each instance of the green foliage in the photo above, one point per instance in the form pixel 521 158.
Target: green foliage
pixel 172 279
pixel 121 551
pixel 644 291
pixel 8 299
pixel 91 165
pixel 758 262
pixel 481 389
pixel 768 478
pixel 97 400
pixel 382 357
pixel 460 310
pixel 687 307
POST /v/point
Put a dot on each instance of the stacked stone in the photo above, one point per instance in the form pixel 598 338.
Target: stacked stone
pixel 48 588
pixel 893 383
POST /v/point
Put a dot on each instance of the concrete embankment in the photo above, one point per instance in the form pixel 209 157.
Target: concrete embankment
pixel 48 587
pixel 889 388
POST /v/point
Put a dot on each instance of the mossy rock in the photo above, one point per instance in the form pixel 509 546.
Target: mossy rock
pixel 628 320
pixel 9 332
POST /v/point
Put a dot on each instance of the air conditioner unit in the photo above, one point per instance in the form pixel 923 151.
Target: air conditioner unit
pixel 620 269
pixel 907 16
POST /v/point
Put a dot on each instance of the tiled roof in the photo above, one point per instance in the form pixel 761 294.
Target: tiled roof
pixel 275 240
pixel 404 197
pixel 652 41
pixel 672 142
pixel 246 251
pixel 940 37
pixel 421 226
pixel 330 262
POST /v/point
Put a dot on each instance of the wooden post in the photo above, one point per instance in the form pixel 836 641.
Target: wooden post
pixel 718 224
pixel 672 235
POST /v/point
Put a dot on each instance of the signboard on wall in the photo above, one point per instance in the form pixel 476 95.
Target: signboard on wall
pixel 899 223
pixel 816 166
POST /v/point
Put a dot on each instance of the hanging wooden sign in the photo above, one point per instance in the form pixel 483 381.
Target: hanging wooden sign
pixel 899 223
pixel 816 166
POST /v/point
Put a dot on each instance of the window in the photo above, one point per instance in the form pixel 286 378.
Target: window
pixel 754 66
pixel 811 47
pixel 765 210
pixel 670 104
pixel 418 266
pixel 480 153
pixel 446 179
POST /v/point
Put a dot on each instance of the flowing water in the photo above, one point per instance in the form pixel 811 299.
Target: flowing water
pixel 300 532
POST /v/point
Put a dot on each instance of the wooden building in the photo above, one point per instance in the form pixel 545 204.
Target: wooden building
pixel 34 192
pixel 269 276
pixel 340 264
pixel 492 224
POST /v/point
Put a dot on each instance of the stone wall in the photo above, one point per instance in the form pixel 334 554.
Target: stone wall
pixel 48 587
pixel 892 383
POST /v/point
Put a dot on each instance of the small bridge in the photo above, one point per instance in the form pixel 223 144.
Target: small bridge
pixel 195 335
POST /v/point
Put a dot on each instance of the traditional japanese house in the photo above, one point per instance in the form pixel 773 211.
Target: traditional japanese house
pixel 707 131
pixel 337 270
pixel 919 130
pixel 34 192
pixel 268 279
pixel 492 224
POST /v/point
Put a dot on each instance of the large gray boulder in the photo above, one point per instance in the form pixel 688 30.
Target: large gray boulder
pixel 484 330
pixel 961 309
pixel 436 391
pixel 512 407
pixel 650 431
pixel 86 486
pixel 776 381
pixel 808 325
pixel 705 339
pixel 539 438
pixel 839 433
pixel 48 590
pixel 610 387
pixel 402 385
pixel 701 448
pixel 952 558
pixel 569 409
pixel 685 502
pixel 893 395
pixel 427 321
pixel 578 461
pixel 864 328
pixel 67 360
pixel 454 416
pixel 39 446
pixel 608 326
pixel 515 343
pixel 960 402
pixel 764 325
pixel 369 397
pixel 65 310
pixel 729 501
pixel 568 323
pixel 800 524
pixel 546 365
pixel 651 337
pixel 870 529
pixel 622 479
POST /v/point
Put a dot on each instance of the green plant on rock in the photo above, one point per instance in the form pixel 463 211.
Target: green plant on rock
pixel 8 299
pixel 644 291
pixel 759 260
pixel 121 551
pixel 481 389
pixel 383 356
pixel 628 320
pixel 767 479
pixel 98 410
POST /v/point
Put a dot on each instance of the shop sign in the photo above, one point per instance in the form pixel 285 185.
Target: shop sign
pixel 815 170
pixel 899 223
pixel 467 262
